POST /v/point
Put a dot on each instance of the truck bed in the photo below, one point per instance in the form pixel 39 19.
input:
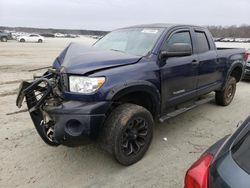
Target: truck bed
pixel 227 52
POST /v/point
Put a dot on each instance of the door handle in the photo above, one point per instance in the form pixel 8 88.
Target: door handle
pixel 195 62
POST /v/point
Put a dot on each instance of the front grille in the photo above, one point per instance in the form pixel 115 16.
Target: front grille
pixel 64 82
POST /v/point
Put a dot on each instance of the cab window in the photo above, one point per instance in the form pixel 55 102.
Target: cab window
pixel 202 42
pixel 178 37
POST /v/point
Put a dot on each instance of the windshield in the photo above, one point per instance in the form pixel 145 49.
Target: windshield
pixel 136 41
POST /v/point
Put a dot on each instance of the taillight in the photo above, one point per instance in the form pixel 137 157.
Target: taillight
pixel 197 174
pixel 246 55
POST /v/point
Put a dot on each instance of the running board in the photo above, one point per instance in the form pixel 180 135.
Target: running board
pixel 185 109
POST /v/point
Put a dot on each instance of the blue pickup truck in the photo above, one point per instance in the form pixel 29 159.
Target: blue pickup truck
pixel 115 90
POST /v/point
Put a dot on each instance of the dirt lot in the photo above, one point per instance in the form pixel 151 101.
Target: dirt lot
pixel 28 162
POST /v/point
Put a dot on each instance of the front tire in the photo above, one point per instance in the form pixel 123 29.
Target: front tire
pixel 22 40
pixel 40 41
pixel 127 133
pixel 4 39
pixel 225 97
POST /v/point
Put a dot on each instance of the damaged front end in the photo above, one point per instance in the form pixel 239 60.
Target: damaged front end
pixel 57 120
pixel 42 92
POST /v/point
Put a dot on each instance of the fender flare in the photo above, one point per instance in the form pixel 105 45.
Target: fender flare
pixel 137 86
pixel 229 72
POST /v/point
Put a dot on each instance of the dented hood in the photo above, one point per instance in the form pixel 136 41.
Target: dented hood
pixel 80 59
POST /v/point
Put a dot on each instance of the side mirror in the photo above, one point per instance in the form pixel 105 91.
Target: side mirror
pixel 176 50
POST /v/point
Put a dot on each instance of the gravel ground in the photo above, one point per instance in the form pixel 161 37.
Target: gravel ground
pixel 28 162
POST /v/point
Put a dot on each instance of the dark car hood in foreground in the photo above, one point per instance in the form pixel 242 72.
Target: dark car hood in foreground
pixel 80 59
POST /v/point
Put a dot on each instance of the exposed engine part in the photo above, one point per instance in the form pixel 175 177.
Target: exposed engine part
pixel 48 129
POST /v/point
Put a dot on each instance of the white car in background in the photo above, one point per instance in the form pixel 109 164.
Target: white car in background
pixel 227 40
pixel 60 35
pixel 31 38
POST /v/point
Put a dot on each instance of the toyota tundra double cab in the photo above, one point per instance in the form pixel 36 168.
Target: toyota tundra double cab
pixel 115 90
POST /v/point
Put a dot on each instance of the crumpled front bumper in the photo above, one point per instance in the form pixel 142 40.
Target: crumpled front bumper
pixel 58 121
pixel 77 122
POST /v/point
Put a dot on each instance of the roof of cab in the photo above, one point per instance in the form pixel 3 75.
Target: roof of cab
pixel 160 25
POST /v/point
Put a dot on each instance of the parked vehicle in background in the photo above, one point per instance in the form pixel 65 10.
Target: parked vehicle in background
pixel 115 89
pixel 49 35
pixel 247 68
pixel 217 39
pixel 15 35
pixel 31 38
pixel 71 36
pixel 240 40
pixel 225 164
pixel 4 37
pixel 60 35
pixel 246 40
pixel 228 40
pixel 96 36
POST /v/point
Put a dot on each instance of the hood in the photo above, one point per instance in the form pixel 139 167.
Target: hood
pixel 80 59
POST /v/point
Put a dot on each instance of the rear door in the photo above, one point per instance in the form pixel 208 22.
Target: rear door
pixel 210 70
pixel 178 74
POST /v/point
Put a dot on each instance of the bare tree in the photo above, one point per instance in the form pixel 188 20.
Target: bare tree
pixel 233 31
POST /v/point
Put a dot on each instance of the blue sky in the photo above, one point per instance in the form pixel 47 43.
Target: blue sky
pixel 111 14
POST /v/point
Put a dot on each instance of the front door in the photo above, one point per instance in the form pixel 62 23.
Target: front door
pixel 178 74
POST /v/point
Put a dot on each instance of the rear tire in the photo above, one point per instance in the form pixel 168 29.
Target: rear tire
pixel 4 39
pixel 127 133
pixel 22 40
pixel 40 41
pixel 225 97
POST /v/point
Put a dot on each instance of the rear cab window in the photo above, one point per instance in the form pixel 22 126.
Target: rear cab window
pixel 241 152
pixel 202 41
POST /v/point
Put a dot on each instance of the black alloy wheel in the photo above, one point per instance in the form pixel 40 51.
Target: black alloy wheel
pixel 127 133
pixel 134 137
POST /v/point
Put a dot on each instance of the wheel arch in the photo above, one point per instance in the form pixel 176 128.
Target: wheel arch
pixel 142 93
pixel 236 71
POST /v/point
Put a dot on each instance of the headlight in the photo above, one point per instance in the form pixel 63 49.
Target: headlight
pixel 85 85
